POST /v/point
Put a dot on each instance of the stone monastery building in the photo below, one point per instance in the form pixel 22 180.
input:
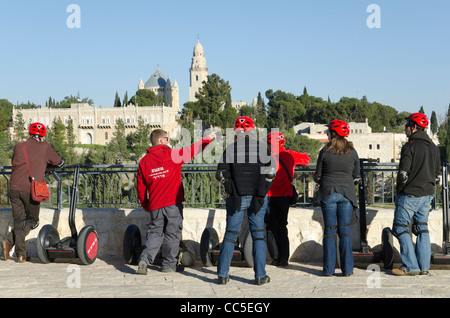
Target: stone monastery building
pixel 95 125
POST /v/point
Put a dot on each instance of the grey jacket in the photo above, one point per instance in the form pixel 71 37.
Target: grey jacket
pixel 336 173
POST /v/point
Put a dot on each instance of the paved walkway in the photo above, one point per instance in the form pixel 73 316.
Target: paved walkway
pixel 108 279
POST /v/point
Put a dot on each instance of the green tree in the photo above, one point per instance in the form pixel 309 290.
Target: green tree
pixel 125 99
pixel 117 102
pixel 443 137
pixel 118 145
pixel 284 109
pixel 70 137
pixel 20 134
pixel 5 113
pixel 433 123
pixel 214 95
pixel 139 141
pixel 5 145
pixel 56 137
pixel 68 100
pixel 301 143
pixel 228 117
pixel 145 97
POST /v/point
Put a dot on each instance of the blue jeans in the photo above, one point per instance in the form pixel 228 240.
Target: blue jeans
pixel 417 209
pixel 256 224
pixel 337 211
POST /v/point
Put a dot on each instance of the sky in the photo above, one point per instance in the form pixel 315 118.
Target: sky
pixel 394 52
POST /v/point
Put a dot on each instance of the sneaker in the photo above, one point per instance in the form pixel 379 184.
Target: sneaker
pixel 178 268
pixel 21 259
pixel 425 273
pixel 223 280
pixel 275 262
pixel 283 262
pixel 262 280
pixel 142 268
pixel 347 274
pixel 402 272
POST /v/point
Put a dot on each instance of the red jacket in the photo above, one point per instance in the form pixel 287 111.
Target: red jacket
pixel 159 174
pixel 281 186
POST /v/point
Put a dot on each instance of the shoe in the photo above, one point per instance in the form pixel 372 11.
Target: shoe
pixel 426 273
pixel 283 262
pixel 275 262
pixel 5 250
pixel 21 259
pixel 347 275
pixel 142 268
pixel 178 268
pixel 262 280
pixel 223 280
pixel 402 272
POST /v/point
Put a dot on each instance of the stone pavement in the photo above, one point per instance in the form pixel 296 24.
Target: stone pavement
pixel 114 279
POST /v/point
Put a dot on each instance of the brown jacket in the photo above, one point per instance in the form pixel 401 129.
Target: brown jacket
pixel 39 155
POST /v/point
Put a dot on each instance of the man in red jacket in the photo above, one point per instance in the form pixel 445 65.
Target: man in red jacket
pixel 279 198
pixel 160 191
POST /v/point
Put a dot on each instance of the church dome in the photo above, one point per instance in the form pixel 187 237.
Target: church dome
pixel 157 79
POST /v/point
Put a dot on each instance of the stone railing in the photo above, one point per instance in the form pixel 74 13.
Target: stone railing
pixel 305 228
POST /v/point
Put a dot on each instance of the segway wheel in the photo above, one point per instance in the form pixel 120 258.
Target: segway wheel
pixel 187 253
pixel 387 248
pixel 48 237
pixel 248 249
pixel 131 241
pixel 208 242
pixel 87 245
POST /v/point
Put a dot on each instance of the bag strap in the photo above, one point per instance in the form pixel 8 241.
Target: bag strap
pixel 287 171
pixel 26 160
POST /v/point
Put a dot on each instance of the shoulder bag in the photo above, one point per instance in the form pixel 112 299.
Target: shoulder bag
pixel 294 196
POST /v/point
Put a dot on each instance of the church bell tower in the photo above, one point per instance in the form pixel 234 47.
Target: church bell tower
pixel 198 71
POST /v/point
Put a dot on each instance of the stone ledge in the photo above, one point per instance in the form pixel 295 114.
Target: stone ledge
pixel 305 228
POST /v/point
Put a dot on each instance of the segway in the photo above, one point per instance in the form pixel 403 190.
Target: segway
pixel 132 249
pixel 83 245
pixel 365 254
pixel 210 249
pixel 444 257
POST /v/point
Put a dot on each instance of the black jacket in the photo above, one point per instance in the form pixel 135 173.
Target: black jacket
pixel 420 158
pixel 245 162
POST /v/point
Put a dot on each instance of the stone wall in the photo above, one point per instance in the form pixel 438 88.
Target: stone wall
pixel 305 228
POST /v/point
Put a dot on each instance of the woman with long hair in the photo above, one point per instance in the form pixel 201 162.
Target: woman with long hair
pixel 337 171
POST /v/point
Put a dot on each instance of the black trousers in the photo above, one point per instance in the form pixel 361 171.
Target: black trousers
pixel 26 217
pixel 276 227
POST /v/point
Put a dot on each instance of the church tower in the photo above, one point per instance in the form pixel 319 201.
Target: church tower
pixel 198 71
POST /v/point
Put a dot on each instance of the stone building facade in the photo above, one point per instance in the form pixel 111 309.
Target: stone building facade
pixel 96 125
pixel 384 146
